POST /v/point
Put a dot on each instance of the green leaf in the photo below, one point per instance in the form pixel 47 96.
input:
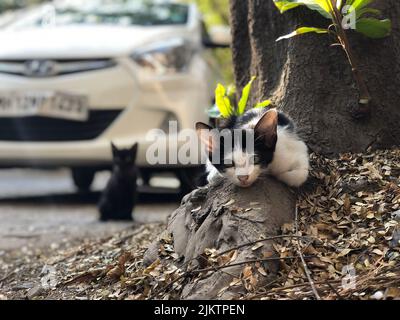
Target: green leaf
pixel 245 97
pixel 363 11
pixel 321 6
pixel 302 30
pixel 374 28
pixel 222 101
pixel 285 5
pixel 358 4
pixel 263 104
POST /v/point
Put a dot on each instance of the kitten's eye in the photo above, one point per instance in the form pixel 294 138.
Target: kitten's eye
pixel 256 159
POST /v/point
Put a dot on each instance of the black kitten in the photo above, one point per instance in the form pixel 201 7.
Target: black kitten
pixel 119 196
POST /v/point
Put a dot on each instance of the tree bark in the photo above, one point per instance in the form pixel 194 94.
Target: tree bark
pixel 312 81
pixel 223 217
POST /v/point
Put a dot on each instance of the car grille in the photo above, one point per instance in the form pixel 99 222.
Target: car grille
pixel 45 129
pixel 42 68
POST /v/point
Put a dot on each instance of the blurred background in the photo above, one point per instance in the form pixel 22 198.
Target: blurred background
pixel 76 75
pixel 215 13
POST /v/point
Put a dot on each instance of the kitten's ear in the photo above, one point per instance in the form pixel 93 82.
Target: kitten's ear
pixel 267 127
pixel 114 149
pixel 134 150
pixel 206 136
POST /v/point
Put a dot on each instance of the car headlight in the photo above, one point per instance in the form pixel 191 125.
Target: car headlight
pixel 170 56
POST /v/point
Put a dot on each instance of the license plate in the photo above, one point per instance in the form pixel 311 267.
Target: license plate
pixel 47 104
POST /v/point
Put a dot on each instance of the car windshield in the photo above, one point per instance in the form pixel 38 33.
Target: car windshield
pixel 112 12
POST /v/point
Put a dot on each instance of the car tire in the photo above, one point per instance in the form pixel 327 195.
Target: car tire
pixel 83 178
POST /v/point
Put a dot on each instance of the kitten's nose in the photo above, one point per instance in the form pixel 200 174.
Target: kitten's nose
pixel 243 178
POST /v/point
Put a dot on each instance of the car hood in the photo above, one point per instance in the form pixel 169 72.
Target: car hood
pixel 81 42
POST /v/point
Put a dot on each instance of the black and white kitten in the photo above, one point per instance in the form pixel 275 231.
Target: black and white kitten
pixel 278 151
pixel 119 196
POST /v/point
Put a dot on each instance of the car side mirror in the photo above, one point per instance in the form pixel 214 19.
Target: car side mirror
pixel 218 37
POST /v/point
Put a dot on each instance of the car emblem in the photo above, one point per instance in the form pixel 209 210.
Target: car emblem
pixel 40 68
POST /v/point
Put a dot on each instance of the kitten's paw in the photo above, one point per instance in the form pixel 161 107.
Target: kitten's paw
pixel 294 178
pixel 200 193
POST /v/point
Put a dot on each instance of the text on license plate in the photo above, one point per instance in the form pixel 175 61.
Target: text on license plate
pixel 46 104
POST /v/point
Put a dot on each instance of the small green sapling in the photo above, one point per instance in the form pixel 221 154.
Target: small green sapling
pixel 340 12
pixel 225 101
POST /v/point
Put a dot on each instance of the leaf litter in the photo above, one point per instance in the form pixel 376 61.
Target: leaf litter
pixel 348 231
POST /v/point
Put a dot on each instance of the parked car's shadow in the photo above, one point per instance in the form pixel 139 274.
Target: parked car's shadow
pixel 147 195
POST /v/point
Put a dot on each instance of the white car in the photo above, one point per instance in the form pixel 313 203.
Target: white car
pixel 76 75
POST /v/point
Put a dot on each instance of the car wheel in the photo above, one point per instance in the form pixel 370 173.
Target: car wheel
pixel 83 178
pixel 191 178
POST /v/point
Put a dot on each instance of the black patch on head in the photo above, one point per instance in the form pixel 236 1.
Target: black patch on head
pixel 235 122
pixel 285 121
pixel 264 153
pixel 247 117
pixel 228 123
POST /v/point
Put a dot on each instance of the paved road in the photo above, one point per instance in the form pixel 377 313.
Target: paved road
pixel 39 208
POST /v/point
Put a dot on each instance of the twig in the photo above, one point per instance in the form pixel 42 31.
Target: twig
pixel 130 235
pixel 22 236
pixel 248 244
pixel 306 270
pixel 334 290
pixel 299 285
pixel 166 287
pixel 85 276
pixel 258 241
pixel 258 295
pixel 216 268
pixel 225 266
pixel 242 263
pixel 365 96
pixel 7 276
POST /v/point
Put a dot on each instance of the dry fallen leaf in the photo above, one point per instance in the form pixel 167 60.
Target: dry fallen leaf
pixel 257 246
pixel 247 271
pixel 393 292
pixel 230 202
pixel 227 258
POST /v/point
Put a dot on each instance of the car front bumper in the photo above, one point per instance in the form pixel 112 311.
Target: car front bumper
pixel 142 102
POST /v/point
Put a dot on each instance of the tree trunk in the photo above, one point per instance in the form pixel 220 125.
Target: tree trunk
pixel 312 81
